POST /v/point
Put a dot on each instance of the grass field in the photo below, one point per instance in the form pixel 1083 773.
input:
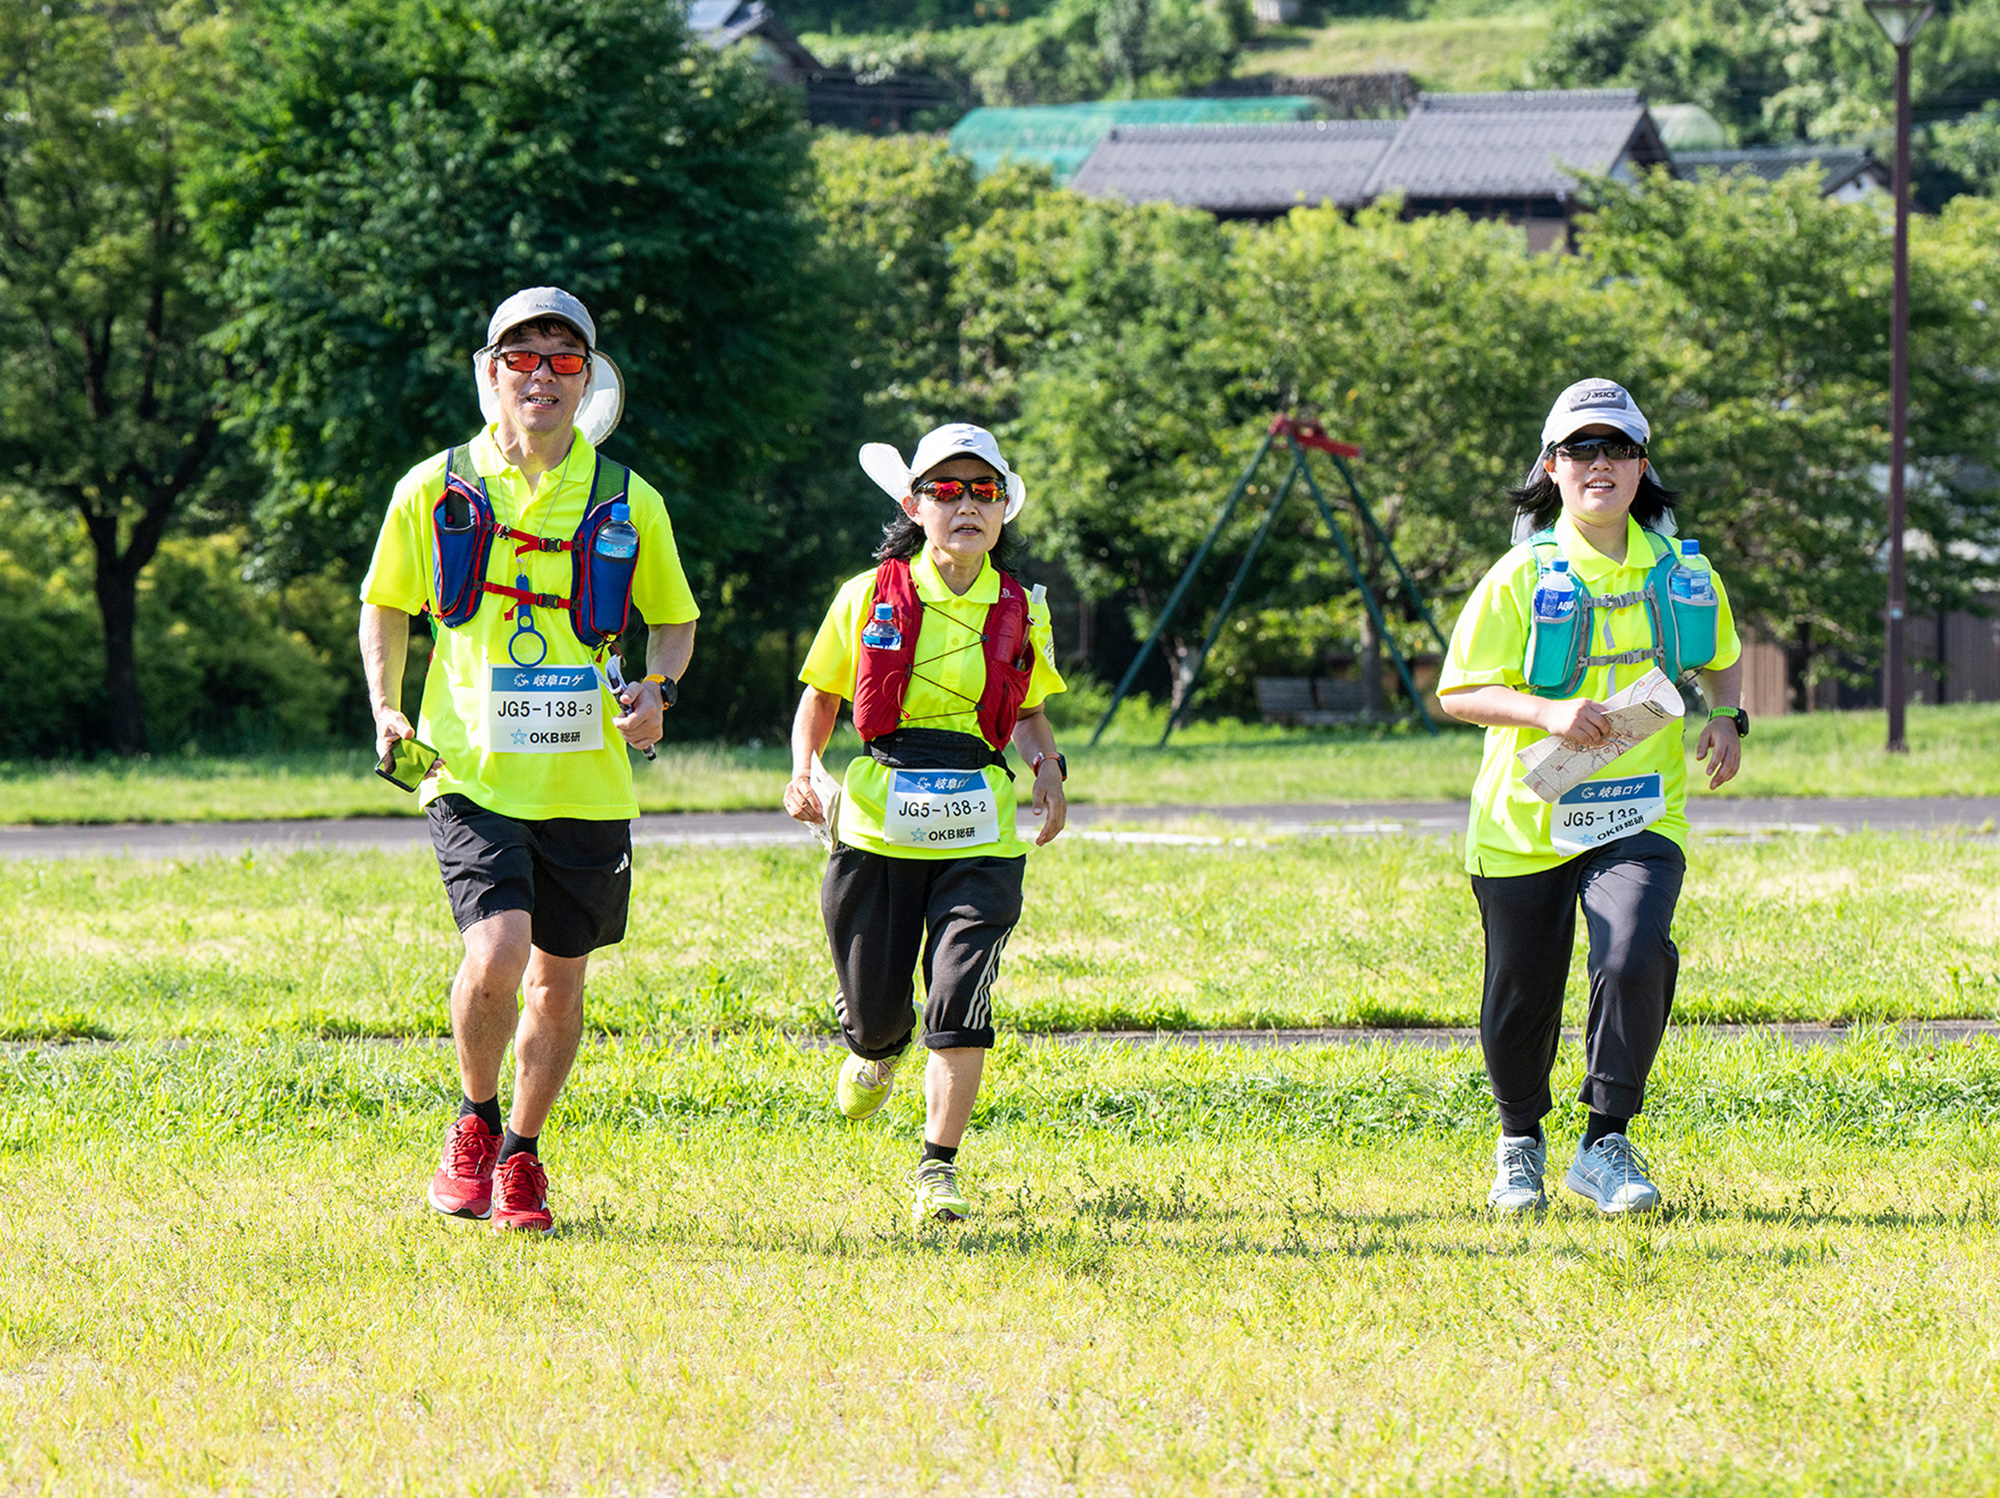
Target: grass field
pixel 1445 53
pixel 1955 751
pixel 1227 1273
pixel 1349 931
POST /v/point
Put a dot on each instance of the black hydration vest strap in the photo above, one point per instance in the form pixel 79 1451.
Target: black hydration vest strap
pixel 935 749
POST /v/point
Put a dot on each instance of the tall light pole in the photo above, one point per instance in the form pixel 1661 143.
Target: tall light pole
pixel 1900 21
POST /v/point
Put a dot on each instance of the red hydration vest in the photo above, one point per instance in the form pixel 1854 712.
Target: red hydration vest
pixel 884 676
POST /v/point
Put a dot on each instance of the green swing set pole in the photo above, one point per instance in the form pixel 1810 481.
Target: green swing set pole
pixel 1367 594
pixel 1180 588
pixel 1229 600
pixel 1410 588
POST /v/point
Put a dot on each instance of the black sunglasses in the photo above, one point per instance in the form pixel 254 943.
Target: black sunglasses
pixel 1588 450
pixel 947 491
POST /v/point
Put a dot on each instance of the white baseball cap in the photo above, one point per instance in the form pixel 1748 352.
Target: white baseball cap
pixel 537 302
pixel 885 465
pixel 603 401
pixel 1594 403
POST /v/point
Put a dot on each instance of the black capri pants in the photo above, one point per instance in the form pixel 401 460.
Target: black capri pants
pixel 882 913
pixel 1628 890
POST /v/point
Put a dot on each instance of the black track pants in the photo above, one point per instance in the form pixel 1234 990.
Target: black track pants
pixel 882 913
pixel 1628 890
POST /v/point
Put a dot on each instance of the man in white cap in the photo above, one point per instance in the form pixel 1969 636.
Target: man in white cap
pixel 947 660
pixel 1594 597
pixel 520 546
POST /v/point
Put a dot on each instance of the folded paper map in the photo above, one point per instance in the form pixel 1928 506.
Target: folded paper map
pixel 828 790
pixel 1552 766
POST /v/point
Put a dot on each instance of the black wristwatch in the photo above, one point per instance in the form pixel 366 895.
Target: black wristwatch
pixel 1062 765
pixel 670 690
pixel 1737 716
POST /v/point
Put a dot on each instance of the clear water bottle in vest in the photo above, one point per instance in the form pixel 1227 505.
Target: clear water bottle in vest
pixel 617 543
pixel 881 632
pixel 1689 584
pixel 1555 594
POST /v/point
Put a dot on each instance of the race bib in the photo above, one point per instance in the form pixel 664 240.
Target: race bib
pixel 544 710
pixel 941 809
pixel 1602 811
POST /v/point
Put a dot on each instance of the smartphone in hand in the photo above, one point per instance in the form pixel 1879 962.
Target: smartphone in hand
pixel 407 763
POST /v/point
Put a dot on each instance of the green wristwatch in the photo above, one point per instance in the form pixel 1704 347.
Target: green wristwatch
pixel 1735 715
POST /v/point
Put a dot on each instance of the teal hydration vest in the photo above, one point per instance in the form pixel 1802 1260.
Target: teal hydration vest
pixel 1683 631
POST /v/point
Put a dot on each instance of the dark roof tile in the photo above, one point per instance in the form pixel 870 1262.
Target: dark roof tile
pixel 1517 145
pixel 1239 168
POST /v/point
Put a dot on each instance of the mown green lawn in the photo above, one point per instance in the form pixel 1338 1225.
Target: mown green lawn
pixel 1189 1272
pixel 1337 931
pixel 1954 751
pixel 1484 46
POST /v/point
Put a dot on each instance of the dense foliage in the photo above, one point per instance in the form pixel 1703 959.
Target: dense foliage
pixel 1076 49
pixel 376 174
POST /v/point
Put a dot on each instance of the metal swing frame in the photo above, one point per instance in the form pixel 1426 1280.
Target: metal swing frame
pixel 1299 436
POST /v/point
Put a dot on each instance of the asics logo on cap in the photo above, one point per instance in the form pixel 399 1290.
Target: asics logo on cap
pixel 1601 395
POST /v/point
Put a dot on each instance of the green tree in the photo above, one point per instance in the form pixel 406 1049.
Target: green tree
pixel 392 168
pixel 107 394
pixel 1773 69
pixel 1769 307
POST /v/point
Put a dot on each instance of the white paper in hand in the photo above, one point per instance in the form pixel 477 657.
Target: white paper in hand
pixel 1551 766
pixel 828 790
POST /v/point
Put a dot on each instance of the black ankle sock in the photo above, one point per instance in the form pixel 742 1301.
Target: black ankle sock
pixel 1514 1129
pixel 1601 1124
pixel 487 1112
pixel 519 1144
pixel 945 1152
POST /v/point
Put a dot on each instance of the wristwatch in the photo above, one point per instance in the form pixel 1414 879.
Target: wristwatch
pixel 1062 766
pixel 670 690
pixel 1735 715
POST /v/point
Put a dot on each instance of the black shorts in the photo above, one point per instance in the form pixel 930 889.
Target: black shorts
pixel 883 914
pixel 574 877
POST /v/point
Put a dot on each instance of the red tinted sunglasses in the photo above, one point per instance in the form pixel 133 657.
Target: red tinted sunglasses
pixel 527 361
pixel 947 491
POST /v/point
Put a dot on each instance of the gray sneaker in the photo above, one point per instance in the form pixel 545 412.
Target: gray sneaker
pixel 1612 1175
pixel 1518 1162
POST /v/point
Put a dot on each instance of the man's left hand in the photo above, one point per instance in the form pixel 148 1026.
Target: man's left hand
pixel 641 723
pixel 1720 740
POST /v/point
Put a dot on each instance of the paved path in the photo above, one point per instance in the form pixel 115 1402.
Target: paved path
pixel 1135 824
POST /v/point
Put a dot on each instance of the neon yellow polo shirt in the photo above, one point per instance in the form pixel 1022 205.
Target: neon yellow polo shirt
pixel 944 692
pixel 595 784
pixel 1509 832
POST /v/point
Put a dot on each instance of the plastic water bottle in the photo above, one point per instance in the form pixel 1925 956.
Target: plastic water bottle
pixel 616 545
pixel 1555 594
pixel 881 632
pixel 617 540
pixel 1688 582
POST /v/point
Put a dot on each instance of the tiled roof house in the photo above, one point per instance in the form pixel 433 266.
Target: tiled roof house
pixel 1845 172
pixel 1245 170
pixel 1515 156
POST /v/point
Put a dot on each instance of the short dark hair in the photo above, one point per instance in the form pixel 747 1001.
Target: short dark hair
pixel 903 538
pixel 548 327
pixel 1541 501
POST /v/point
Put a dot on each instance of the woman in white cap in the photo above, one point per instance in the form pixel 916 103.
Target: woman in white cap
pixel 1595 596
pixel 947 660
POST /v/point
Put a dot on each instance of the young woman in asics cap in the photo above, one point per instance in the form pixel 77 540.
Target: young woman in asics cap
pixel 947 659
pixel 1593 596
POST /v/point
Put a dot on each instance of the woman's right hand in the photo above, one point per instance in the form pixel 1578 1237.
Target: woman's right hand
pixel 1579 723
pixel 801 800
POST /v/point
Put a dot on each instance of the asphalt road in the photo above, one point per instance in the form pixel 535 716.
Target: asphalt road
pixel 1141 824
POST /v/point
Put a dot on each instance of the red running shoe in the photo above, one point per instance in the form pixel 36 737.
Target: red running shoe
pixel 463 1185
pixel 521 1195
